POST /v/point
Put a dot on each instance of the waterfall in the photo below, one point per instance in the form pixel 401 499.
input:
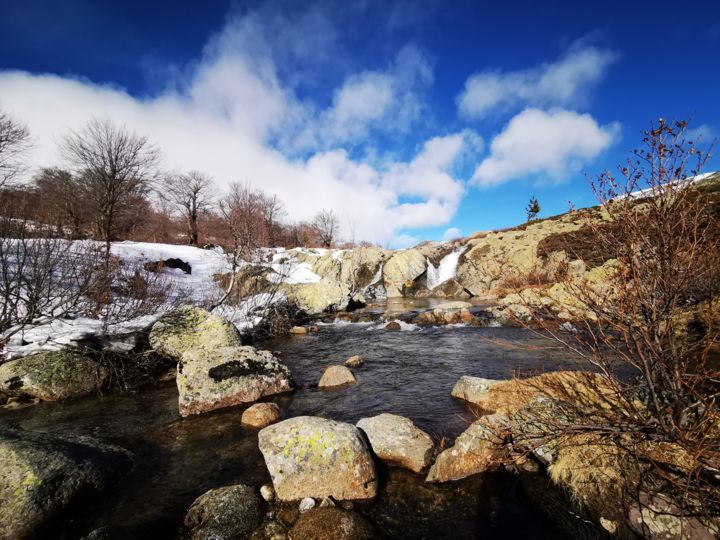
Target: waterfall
pixel 445 270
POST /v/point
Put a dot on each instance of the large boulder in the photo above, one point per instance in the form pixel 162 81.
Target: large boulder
pixel 189 328
pixel 225 513
pixel 336 376
pixel 396 440
pixel 331 524
pixel 478 449
pixel 316 298
pixel 401 270
pixel 361 267
pixel 309 456
pixel 473 389
pixel 42 474
pixel 52 375
pixel 223 377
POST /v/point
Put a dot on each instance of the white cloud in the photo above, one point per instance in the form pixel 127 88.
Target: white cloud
pixel 453 233
pixel 224 114
pixel 562 83
pixel 553 144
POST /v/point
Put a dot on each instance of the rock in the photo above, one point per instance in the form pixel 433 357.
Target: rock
pixel 393 326
pixel 336 376
pixel 443 316
pixel 313 457
pixel 192 328
pixel 450 289
pixel 267 492
pixel 52 375
pixel 308 503
pixel 157 266
pixel 225 513
pixel 473 389
pixel 260 415
pixel 331 524
pixel 401 270
pixel 300 330
pixel 320 297
pixel 396 440
pixel 656 517
pixel 271 529
pixel 453 305
pixel 227 376
pixel 476 450
pixel 355 361
pixel 41 474
pixel 327 502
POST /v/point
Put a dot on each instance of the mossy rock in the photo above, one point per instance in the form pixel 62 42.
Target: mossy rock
pixel 42 474
pixel 331 524
pixel 52 375
pixel 189 328
pixel 225 513
pixel 309 456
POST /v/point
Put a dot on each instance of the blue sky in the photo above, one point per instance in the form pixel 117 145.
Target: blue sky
pixel 413 120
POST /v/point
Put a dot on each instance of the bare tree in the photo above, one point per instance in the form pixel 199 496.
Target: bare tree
pixel 190 195
pixel 327 224
pixel 14 141
pixel 272 211
pixel 114 167
pixel 59 193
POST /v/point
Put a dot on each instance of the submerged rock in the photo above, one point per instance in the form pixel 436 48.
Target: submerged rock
pixel 336 376
pixel 478 449
pixel 52 375
pixel 213 379
pixel 41 474
pixel 355 361
pixel 309 456
pixel 473 389
pixel 299 330
pixel 396 440
pixel 260 415
pixel 331 523
pixel 225 513
pixel 190 328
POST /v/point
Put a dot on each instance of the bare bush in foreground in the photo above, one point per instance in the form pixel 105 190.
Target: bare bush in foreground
pixel 651 327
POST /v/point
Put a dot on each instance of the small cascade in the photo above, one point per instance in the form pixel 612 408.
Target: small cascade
pixel 446 269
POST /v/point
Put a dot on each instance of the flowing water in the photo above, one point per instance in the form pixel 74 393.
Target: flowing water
pixel 409 373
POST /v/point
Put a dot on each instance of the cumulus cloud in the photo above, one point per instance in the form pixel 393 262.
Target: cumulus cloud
pixel 552 144
pixel 453 233
pixel 227 115
pixel 564 82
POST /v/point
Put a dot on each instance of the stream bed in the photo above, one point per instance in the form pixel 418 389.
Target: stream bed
pixel 410 373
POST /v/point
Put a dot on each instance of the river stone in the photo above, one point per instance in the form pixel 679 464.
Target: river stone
pixel 42 474
pixel 478 449
pixel 260 415
pixel 225 513
pixel 52 375
pixel 355 361
pixel 473 389
pixel 396 440
pixel 213 379
pixel 298 330
pixel 401 270
pixel 331 523
pixel 189 328
pixel 393 326
pixel 309 456
pixel 336 376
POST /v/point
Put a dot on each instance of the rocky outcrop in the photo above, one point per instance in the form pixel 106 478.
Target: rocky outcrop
pixel 401 270
pixel 209 379
pixel 316 298
pixel 42 474
pixel 260 415
pixel 225 513
pixel 336 376
pixel 190 328
pixel 309 456
pixel 476 450
pixel 473 389
pixel 51 376
pixel 331 524
pixel 397 441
